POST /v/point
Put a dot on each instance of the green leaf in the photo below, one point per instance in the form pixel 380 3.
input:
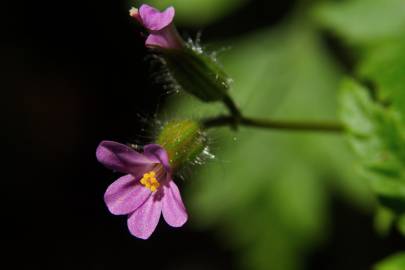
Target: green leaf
pixel 384 65
pixel 383 220
pixel 394 262
pixel 377 134
pixel 358 115
pixel 198 12
pixel 363 21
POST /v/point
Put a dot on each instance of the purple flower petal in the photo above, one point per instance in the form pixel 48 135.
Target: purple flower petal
pixel 144 220
pixel 158 154
pixel 122 158
pixel 155 20
pixel 157 40
pixel 125 195
pixel 173 208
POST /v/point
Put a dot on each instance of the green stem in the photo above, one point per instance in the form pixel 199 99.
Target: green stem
pixel 233 109
pixel 272 124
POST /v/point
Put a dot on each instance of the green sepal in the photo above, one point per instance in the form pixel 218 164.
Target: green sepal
pixel 183 140
pixel 197 73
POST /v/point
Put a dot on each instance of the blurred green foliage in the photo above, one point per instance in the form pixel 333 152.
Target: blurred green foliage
pixel 378 136
pixel 364 22
pixel 376 29
pixel 384 65
pixel 268 192
pixel 394 262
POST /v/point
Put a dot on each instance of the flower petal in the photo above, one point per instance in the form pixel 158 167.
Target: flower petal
pixel 125 195
pixel 122 158
pixel 155 20
pixel 157 154
pixel 143 221
pixel 173 208
pixel 158 40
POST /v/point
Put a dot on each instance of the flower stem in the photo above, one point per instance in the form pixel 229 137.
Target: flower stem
pixel 272 124
pixel 233 109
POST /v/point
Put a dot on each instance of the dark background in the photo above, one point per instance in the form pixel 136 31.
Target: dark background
pixel 73 74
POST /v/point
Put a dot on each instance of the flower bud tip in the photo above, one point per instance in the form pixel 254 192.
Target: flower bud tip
pixel 134 13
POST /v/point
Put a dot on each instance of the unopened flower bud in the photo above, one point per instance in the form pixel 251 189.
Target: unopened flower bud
pixel 183 140
pixel 197 73
pixel 191 69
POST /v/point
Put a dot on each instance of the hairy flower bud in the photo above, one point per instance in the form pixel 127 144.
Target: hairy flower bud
pixel 197 73
pixel 191 69
pixel 183 140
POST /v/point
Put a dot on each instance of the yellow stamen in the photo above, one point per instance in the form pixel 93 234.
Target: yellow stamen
pixel 149 181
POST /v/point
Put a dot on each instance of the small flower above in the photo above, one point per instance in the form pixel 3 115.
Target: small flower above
pixel 162 33
pixel 147 189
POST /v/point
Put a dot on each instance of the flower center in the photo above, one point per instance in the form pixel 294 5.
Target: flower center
pixel 150 179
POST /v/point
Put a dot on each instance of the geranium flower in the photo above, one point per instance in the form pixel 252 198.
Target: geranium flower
pixel 147 189
pixel 162 32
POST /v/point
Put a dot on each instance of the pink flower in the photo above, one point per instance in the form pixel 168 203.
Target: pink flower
pixel 147 189
pixel 162 32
